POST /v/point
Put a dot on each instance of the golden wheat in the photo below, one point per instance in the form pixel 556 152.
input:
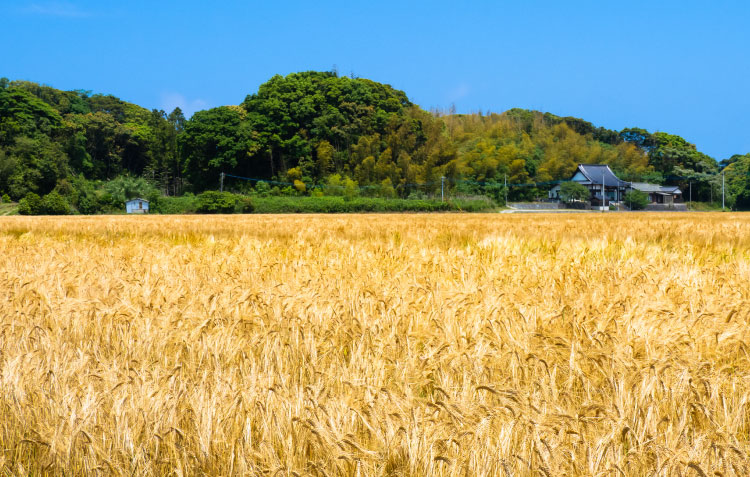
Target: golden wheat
pixel 610 344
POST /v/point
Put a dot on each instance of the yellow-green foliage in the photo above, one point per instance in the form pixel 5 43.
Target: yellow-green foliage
pixel 375 345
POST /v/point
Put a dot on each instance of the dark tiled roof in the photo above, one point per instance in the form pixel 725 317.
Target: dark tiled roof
pixel 598 173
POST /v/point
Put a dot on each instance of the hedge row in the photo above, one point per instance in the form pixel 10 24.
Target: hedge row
pixel 325 205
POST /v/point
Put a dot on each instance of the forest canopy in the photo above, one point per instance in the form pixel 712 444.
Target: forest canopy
pixel 314 129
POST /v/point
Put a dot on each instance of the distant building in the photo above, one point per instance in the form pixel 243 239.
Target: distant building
pixel 606 187
pixel 602 183
pixel 659 194
pixel 137 206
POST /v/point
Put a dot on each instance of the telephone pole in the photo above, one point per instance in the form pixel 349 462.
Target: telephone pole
pixel 221 179
pixel 691 193
pixel 442 188
pixel 722 190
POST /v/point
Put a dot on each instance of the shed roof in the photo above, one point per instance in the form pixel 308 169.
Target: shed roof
pixel 660 189
pixel 645 187
pixel 136 199
pixel 600 174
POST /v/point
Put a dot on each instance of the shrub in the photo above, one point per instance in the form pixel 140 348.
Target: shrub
pixel 212 202
pixel 6 198
pixel 55 204
pixel 88 205
pixel 153 198
pixel 31 204
pixel 300 186
pixel 495 191
pixel 570 191
pixel 186 204
pixel 333 185
pixel 327 204
pixel 351 189
pixel 245 205
pixel 262 189
pixel 636 200
pixel 386 188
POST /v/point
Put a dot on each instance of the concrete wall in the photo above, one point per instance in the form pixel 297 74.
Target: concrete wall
pixel 668 207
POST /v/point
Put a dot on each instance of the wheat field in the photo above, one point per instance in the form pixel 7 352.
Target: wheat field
pixel 404 345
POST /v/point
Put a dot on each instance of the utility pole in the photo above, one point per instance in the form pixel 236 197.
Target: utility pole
pixel 691 193
pixel 221 179
pixel 722 191
pixel 442 188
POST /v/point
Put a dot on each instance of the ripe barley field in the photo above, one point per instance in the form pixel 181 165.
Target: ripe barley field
pixel 405 345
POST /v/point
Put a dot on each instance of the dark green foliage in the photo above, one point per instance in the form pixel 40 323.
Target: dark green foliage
pixel 23 114
pixel 244 205
pixel 54 204
pixel 636 200
pixel 88 205
pixel 262 189
pixel 217 140
pixel 72 132
pixel 736 173
pixel 742 184
pixel 570 191
pixel 495 191
pixel 327 204
pixel 304 129
pixel 742 200
pixel 124 188
pixel 30 205
pixel 51 204
pixel 313 123
pixel 212 202
pixel 186 204
pixel 640 137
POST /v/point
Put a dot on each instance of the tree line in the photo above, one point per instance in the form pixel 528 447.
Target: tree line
pixel 317 131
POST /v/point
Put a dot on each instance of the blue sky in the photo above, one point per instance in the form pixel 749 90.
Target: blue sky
pixel 676 66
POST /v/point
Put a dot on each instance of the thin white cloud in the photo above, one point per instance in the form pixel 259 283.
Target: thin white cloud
pixel 56 9
pixel 459 92
pixel 169 101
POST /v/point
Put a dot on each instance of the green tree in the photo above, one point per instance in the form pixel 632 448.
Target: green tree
pixel 351 189
pixel 124 188
pixel 386 189
pixel 571 191
pixel 214 141
pixel 213 202
pixel 54 204
pixel 31 204
pixel 635 199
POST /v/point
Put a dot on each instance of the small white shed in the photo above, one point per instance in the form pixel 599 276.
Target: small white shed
pixel 137 206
